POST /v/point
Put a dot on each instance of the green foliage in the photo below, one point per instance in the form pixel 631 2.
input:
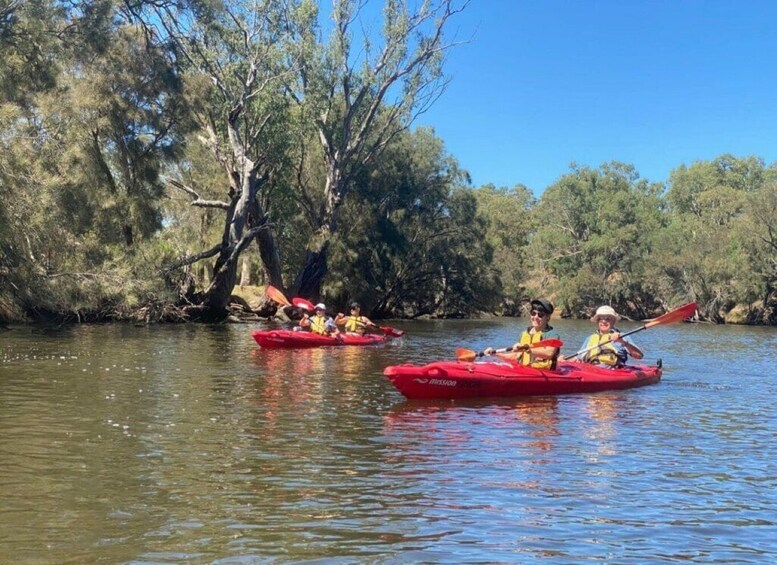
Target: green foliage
pixel 509 232
pixel 759 240
pixel 415 244
pixel 708 250
pixel 100 101
pixel 26 41
pixel 81 156
pixel 594 228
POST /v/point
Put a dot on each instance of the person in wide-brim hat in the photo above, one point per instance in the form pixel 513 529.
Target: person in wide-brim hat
pixel 606 346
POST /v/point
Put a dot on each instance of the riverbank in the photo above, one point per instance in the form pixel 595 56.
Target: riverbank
pixel 249 304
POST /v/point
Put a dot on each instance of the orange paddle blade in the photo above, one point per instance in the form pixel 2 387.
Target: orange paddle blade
pixel 676 315
pixel 276 295
pixel 463 354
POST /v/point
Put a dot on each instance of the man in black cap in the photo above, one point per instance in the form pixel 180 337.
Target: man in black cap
pixel 539 330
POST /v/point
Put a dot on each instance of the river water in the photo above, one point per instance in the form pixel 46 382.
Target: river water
pixel 189 444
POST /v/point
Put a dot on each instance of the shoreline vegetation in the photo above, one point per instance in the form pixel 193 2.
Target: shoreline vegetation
pixel 157 158
pixel 248 304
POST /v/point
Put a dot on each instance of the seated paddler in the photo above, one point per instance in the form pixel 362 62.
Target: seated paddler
pixel 354 323
pixel 606 346
pixel 539 330
pixel 319 322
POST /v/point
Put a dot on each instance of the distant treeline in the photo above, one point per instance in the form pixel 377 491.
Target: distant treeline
pixel 154 155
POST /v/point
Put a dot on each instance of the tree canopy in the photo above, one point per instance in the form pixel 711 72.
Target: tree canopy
pixel 152 153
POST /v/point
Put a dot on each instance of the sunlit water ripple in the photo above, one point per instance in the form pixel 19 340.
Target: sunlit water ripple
pixel 188 444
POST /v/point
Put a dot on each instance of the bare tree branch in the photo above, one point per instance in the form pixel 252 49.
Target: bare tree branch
pixel 191 259
pixel 198 201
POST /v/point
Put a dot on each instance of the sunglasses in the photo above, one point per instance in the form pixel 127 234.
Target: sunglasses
pixel 539 313
pixel 608 319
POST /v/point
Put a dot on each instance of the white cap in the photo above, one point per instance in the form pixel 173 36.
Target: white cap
pixel 605 311
pixel 320 306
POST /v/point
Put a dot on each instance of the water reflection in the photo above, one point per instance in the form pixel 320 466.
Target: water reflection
pixel 190 444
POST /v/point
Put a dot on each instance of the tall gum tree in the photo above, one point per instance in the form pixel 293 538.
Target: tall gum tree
pixel 238 111
pixel 361 94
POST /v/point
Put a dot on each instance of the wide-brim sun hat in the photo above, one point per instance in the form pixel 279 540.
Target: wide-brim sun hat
pixel 605 311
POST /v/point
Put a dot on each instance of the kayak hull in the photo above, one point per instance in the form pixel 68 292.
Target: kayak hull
pixel 286 339
pixel 448 379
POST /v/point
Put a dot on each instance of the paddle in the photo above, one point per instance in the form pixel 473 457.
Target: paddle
pixel 276 295
pixel 463 354
pixel 388 330
pixel 303 303
pixel 676 315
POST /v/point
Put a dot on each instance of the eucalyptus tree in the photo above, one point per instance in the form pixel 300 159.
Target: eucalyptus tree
pixel 231 57
pixel 707 248
pixel 593 236
pixel 361 92
pixel 510 226
pixel 413 243
pixel 761 229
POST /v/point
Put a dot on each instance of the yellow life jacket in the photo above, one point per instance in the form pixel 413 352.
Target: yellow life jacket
pixel 354 324
pixel 525 358
pixel 318 325
pixel 605 354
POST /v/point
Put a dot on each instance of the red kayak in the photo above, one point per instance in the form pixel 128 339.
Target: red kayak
pixel 449 379
pixel 290 340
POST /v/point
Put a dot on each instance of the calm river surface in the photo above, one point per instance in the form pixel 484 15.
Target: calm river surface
pixel 189 444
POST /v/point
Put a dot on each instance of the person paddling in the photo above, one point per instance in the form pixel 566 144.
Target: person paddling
pixel 355 322
pixel 319 323
pixel 540 329
pixel 606 347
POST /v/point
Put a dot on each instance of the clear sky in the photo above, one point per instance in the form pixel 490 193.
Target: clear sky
pixel 654 83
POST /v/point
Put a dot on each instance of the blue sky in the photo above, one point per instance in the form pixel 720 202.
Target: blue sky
pixel 654 83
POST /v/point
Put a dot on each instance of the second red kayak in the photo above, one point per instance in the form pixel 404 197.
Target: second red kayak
pixel 448 379
pixel 286 339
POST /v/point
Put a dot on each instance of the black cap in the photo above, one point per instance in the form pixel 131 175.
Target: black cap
pixel 544 304
pixel 355 305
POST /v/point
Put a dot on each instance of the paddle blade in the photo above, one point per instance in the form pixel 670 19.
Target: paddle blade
pixel 676 315
pixel 463 354
pixel 388 330
pixel 276 295
pixel 304 304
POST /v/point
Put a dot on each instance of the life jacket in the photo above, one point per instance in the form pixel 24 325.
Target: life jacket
pixel 354 324
pixel 602 354
pixel 318 325
pixel 525 358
